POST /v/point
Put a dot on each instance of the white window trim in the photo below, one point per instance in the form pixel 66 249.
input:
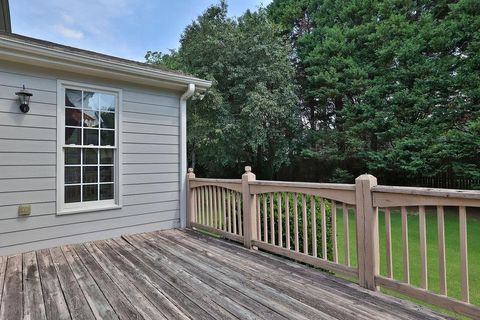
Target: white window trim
pixel 117 203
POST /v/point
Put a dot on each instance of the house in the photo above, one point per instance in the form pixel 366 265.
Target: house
pixel 101 151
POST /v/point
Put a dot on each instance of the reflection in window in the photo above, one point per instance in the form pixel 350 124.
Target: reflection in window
pixel 90 146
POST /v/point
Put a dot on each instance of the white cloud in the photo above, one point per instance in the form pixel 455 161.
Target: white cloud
pixel 69 33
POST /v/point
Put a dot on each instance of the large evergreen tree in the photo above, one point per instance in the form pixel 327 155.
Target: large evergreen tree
pixel 397 84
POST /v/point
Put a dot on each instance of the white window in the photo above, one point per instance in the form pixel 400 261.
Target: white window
pixel 88 148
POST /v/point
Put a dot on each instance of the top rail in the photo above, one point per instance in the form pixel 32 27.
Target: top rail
pixel 232 184
pixel 339 192
pixel 391 196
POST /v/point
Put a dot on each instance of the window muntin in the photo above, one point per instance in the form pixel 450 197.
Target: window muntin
pixel 90 148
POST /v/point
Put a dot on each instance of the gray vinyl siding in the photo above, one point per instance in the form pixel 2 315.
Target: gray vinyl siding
pixel 150 134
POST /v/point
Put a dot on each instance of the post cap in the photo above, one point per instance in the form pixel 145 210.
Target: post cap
pixel 248 169
pixel 190 170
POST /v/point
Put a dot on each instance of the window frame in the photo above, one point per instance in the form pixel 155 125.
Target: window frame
pixel 99 205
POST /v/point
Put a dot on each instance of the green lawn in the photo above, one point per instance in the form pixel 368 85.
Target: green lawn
pixel 452 248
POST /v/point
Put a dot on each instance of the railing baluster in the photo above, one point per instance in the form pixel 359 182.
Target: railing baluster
pixel 423 247
pixel 334 231
pixel 215 207
pixel 388 244
pixel 406 261
pixel 272 221
pixel 295 222
pixel 464 254
pixel 305 228
pixel 287 219
pixel 204 205
pixel 259 220
pixel 441 250
pixel 265 222
pixel 234 209
pixel 229 206
pixel 221 221
pixel 195 204
pixel 280 222
pixel 224 209
pixel 323 212
pixel 210 203
pixel 346 234
pixel 314 225
pixel 240 214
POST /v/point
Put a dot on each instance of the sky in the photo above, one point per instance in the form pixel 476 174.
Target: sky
pixel 122 28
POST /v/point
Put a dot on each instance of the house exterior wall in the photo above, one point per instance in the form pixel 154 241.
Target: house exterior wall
pixel 28 152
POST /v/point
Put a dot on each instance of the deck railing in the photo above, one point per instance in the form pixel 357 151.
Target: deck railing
pixel 299 221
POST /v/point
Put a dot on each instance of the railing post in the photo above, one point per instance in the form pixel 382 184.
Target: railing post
pixel 190 199
pixel 249 209
pixel 367 232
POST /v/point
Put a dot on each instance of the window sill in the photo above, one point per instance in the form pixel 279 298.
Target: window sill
pixel 89 209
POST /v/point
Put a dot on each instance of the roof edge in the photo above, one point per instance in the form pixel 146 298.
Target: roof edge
pixel 19 49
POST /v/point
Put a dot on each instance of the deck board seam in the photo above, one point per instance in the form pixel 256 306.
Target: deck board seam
pixel 311 298
pixel 94 280
pixel 287 302
pixel 173 301
pixel 409 308
pixel 194 277
pixel 135 283
pixel 111 276
pixel 169 281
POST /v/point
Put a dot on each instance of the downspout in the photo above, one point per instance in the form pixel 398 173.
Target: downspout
pixel 183 154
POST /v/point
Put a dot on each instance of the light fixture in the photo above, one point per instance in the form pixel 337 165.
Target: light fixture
pixel 24 97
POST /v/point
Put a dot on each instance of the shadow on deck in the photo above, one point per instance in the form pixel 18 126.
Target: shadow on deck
pixel 178 275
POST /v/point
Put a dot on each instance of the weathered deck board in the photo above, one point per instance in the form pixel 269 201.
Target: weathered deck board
pixel 11 307
pixel 99 305
pixel 33 307
pixel 179 275
pixel 54 300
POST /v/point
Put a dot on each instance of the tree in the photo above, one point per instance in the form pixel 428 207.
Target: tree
pixel 249 116
pixel 397 84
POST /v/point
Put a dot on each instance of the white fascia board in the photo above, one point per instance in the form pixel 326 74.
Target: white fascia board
pixel 16 50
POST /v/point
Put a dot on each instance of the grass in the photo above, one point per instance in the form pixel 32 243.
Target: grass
pixel 452 250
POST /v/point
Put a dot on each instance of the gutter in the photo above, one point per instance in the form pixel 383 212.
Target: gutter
pixel 5 24
pixel 183 153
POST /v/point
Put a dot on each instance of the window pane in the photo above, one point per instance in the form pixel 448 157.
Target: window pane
pixel 72 175
pixel 108 120
pixel 107 138
pixel 72 155
pixel 90 193
pixel 107 102
pixel 106 156
pixel 90 156
pixel 73 117
pixel 90 100
pixel 90 137
pixel 90 119
pixel 106 191
pixel 72 194
pixel 106 174
pixel 73 98
pixel 73 136
pixel 90 174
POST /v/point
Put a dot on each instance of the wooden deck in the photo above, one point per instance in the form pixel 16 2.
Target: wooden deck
pixel 179 275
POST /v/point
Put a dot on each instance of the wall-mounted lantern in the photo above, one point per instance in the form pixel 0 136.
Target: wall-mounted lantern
pixel 24 97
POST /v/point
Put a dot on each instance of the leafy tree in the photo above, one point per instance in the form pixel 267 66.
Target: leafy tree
pixel 250 114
